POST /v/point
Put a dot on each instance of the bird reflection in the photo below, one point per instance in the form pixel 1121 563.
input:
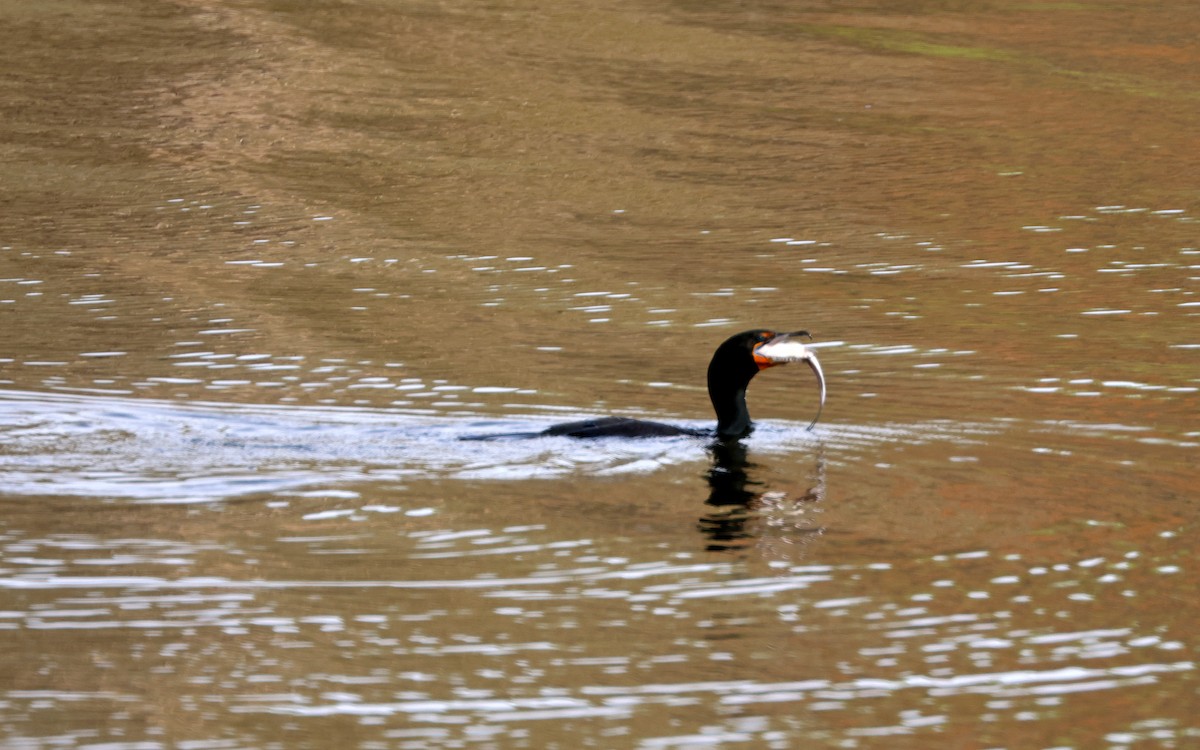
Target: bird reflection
pixel 744 513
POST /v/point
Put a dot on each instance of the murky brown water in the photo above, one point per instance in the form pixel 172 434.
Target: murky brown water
pixel 263 263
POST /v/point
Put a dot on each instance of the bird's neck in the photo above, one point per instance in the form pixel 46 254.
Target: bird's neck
pixel 727 382
pixel 733 418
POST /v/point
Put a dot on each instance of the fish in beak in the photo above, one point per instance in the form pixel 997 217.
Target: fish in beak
pixel 787 347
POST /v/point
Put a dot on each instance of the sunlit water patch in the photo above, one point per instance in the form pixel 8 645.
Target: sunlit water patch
pixel 159 451
pixel 577 630
pixel 164 451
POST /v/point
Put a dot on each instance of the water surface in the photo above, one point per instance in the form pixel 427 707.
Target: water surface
pixel 262 264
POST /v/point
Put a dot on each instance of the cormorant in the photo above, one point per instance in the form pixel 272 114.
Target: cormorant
pixel 735 362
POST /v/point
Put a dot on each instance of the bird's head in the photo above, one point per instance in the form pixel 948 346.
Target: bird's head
pixel 766 348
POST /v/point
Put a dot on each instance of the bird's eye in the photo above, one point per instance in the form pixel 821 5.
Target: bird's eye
pixel 764 335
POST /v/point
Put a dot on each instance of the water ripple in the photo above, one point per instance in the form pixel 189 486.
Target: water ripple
pixel 169 452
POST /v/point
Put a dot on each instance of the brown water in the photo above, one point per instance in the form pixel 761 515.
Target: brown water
pixel 263 263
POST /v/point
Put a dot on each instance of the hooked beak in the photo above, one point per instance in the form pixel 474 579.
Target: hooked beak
pixel 786 347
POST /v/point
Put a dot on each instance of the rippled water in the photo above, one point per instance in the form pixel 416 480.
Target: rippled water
pixel 262 265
